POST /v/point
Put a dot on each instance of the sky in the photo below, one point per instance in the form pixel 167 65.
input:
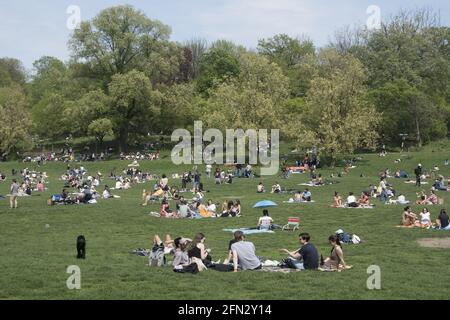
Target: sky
pixel 32 29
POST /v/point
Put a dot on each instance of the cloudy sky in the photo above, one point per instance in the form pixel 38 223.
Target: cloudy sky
pixel 31 29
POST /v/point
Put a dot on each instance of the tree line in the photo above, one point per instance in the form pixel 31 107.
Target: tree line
pixel 126 79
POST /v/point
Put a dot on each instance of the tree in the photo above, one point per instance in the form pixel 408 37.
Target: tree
pixel 338 115
pixel 408 65
pixel 80 114
pixel 48 117
pixel 49 78
pixel 220 63
pixel 133 105
pixel 100 128
pixel 15 122
pixel 251 100
pixel 294 56
pixel 11 71
pixel 117 40
pixel 195 48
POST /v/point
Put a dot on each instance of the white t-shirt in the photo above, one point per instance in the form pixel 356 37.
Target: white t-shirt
pixel 212 208
pixel 425 217
pixel 208 168
pixel 351 199
pixel 265 221
pixel 401 198
pixel 164 182
pixel 106 194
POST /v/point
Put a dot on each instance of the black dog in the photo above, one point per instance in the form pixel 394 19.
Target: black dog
pixel 81 247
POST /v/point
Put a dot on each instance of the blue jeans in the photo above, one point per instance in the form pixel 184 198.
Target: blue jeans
pixel 297 263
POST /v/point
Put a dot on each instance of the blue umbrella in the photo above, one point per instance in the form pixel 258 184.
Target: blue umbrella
pixel 265 204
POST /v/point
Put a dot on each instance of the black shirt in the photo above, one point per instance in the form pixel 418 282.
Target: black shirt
pixel 231 243
pixel 444 222
pixel 310 256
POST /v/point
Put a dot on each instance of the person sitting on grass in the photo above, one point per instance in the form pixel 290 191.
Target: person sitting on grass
pixel 443 221
pixel 276 188
pixel 335 262
pixel 337 203
pixel 260 188
pixel 306 195
pixel 351 201
pixel 425 219
pixel 107 193
pixel 165 212
pixel 364 200
pixel 244 255
pixel 40 187
pixel 422 198
pixel 409 219
pixel 307 253
pixel 197 250
pixel 266 222
pixel 432 199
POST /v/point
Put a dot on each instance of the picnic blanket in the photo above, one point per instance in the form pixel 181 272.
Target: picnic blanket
pixel 277 269
pixel 413 181
pixel 247 231
pixel 309 184
pixel 312 201
pixel 365 207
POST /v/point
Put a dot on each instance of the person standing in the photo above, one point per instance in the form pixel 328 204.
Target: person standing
pixel 14 194
pixel 418 172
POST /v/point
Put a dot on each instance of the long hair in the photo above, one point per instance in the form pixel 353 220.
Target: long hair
pixel 335 238
pixel 443 214
pixel 197 239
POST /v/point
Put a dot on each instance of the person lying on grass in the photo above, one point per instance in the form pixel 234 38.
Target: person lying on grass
pixel 181 257
pixel 244 253
pixel 307 253
pixel 167 245
pixel 335 262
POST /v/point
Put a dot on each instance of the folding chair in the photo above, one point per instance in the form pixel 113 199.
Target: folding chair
pixel 293 224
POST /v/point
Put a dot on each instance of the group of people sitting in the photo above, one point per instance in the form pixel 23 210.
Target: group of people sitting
pixel 140 156
pixel 424 199
pixel 198 209
pixel 352 202
pixel 423 219
pixel 194 255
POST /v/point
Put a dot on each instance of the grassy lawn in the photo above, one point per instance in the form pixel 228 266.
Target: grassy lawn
pixel 33 258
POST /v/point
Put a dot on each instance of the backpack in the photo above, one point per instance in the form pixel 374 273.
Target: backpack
pixel 344 237
pixel 157 257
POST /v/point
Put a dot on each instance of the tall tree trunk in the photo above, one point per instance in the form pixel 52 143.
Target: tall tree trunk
pixel 418 138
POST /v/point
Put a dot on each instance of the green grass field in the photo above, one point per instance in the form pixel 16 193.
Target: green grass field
pixel 33 258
